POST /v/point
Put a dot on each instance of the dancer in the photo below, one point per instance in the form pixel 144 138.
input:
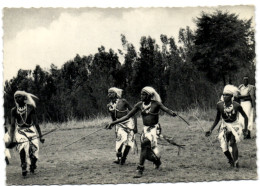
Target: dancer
pixel 150 105
pixel 125 131
pixel 23 130
pixel 231 129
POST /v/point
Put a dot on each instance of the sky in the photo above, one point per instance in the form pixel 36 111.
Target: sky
pixel 45 36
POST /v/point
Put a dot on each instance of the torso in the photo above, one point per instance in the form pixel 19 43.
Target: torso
pixel 24 119
pixel 229 114
pixel 244 91
pixel 118 109
pixel 150 113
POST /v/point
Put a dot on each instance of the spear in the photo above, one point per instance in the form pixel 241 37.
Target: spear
pixel 35 137
pixel 30 139
pixel 170 140
pixel 83 137
pixel 203 129
pixel 183 120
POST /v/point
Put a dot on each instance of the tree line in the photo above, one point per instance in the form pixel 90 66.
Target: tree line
pixel 187 73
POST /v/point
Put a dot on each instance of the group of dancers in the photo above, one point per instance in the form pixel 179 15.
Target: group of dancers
pixel 234 110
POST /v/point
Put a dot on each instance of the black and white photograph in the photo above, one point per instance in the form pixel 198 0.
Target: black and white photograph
pixel 119 95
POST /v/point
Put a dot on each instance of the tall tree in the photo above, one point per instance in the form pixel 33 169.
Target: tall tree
pixel 39 89
pixel 149 67
pixel 143 66
pixel 128 71
pixel 103 75
pixel 224 43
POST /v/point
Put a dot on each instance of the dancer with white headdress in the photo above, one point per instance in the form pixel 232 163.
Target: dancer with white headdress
pixel 150 105
pixel 125 132
pixel 231 129
pixel 23 130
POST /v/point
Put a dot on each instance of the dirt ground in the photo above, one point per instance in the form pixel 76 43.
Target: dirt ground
pixel 89 161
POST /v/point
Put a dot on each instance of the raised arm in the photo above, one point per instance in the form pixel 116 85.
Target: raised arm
pixel 165 109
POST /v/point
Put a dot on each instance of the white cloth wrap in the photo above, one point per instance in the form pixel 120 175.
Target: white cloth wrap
pixel 34 143
pixel 152 133
pixel 249 110
pixel 234 127
pixel 247 105
pixel 125 136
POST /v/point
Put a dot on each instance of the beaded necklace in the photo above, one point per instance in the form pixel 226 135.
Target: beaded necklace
pixel 146 108
pixel 21 111
pixel 229 110
pixel 113 107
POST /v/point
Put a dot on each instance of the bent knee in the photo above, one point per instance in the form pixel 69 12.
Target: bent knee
pixel 232 141
pixel 146 143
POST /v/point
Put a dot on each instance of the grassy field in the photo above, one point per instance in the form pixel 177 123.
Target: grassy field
pixel 89 161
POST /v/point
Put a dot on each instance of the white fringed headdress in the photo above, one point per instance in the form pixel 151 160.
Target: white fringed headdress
pixel 118 91
pixel 151 91
pixel 231 89
pixel 29 97
pixel 234 91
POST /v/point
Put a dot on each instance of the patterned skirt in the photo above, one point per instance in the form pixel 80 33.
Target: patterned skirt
pixel 27 140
